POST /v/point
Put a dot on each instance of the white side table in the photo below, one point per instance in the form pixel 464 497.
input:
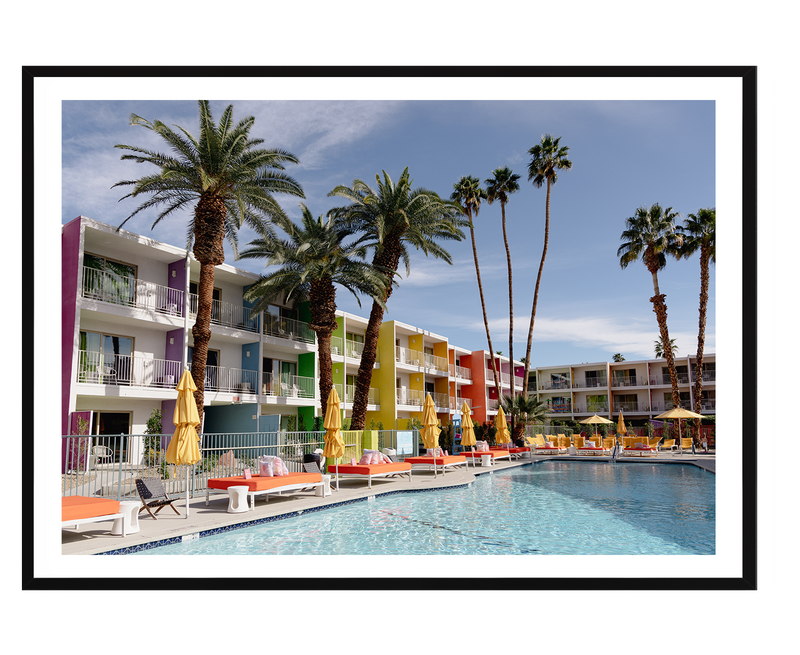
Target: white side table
pixel 237 499
pixel 572 450
pixel 325 489
pixel 131 511
pixel 486 460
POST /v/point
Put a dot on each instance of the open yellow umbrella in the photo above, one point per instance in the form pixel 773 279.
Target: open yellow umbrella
pixel 334 446
pixel 184 446
pixel 678 413
pixel 594 420
pixel 503 435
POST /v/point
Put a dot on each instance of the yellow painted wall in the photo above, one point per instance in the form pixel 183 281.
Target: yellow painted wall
pixel 383 379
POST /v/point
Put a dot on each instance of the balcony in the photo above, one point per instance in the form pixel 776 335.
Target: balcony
pixel 590 383
pixel 630 381
pixel 591 408
pixel 554 384
pixel 505 378
pixel 665 379
pixel 354 350
pixel 226 314
pixel 130 292
pixel 460 373
pixel 348 393
pixel 441 401
pixel 627 406
pixel 436 365
pixel 140 371
pixel 288 328
pixel 287 386
pixel 411 397
pixel 408 356
pixel 559 408
pixel 458 402
pixel 708 376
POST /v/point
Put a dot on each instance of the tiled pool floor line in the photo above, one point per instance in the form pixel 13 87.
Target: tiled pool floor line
pixel 95 538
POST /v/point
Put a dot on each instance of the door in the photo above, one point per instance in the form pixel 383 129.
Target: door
pixel 111 430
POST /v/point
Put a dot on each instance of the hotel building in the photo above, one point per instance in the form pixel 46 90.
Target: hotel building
pixel 129 302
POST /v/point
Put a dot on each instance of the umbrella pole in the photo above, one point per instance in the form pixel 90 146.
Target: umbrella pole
pixel 187 491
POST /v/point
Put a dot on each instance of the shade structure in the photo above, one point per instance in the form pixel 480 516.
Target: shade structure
pixel 467 429
pixel 502 435
pixel 334 446
pixel 184 447
pixel 430 424
pixel 595 420
pixel 678 413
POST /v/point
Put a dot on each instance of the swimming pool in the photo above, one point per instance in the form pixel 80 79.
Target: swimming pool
pixel 550 508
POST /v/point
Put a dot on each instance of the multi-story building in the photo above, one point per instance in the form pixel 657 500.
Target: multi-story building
pixel 639 389
pixel 129 302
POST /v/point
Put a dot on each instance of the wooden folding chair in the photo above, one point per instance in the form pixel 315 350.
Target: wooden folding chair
pixel 153 494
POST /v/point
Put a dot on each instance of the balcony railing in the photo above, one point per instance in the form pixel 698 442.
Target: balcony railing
pixel 373 397
pixel 460 372
pixel 130 292
pixel 288 328
pixel 708 376
pixel 408 356
pixel 233 380
pixel 458 402
pixel 436 364
pixel 559 408
pixel 130 370
pixel 629 406
pixel 555 384
pixel 410 397
pixel 591 408
pixel 441 400
pixel 683 378
pixel 337 346
pixel 629 381
pixel 708 405
pixel 226 314
pixel 590 383
pixel 287 386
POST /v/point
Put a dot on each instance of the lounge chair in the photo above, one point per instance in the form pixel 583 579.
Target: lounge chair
pixel 434 463
pixel 153 494
pixel 583 449
pixel 686 444
pixel 77 510
pixel 262 486
pixel 370 471
pixel 493 453
pixel 540 447
pixel 640 448
pixel 668 444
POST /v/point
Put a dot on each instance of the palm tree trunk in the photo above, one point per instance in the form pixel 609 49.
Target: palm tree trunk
pixel 510 307
pixel 209 235
pixel 323 321
pixel 388 258
pixel 483 307
pixel 536 289
pixel 701 338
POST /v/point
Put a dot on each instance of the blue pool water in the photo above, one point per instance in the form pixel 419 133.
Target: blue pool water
pixel 552 508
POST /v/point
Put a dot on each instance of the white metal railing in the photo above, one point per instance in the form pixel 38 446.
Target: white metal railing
pixel 629 406
pixel 591 408
pixel 683 378
pixel 629 381
pixel 287 386
pixel 708 376
pixel 373 396
pixel 460 372
pixel 559 408
pixel 708 405
pixel 226 314
pixel 590 383
pixel 288 328
pixel 354 350
pixel 505 378
pixel 408 356
pixel 131 370
pixel 130 292
pixel 555 384
pixel 410 397
pixel 436 364
pixel 337 346
pixel 518 382
pixel 458 402
pixel 234 380
pixel 441 400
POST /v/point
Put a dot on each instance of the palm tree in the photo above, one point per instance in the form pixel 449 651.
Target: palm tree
pixel 499 187
pixel 658 347
pixel 390 219
pixel 468 194
pixel 618 357
pixel 650 235
pixel 524 409
pixel 233 183
pixel 311 261
pixel 547 158
pixel 699 233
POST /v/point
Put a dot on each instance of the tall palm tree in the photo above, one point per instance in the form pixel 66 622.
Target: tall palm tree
pixel 468 194
pixel 390 219
pixel 498 188
pixel 658 348
pixel 233 183
pixel 700 234
pixel 547 158
pixel 524 409
pixel 650 236
pixel 312 260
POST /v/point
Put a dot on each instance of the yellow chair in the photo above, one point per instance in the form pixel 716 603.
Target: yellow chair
pixel 668 444
pixel 686 444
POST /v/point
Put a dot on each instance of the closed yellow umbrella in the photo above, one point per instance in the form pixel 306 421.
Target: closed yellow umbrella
pixel 621 429
pixel 503 435
pixel 184 447
pixel 430 424
pixel 467 429
pixel 334 446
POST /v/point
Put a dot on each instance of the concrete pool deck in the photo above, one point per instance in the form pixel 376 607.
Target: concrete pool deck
pixel 95 538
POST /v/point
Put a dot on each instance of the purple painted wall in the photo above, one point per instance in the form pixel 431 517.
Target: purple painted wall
pixel 70 252
pixel 174 351
pixel 75 452
pixel 179 280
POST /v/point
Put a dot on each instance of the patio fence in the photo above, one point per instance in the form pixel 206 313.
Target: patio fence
pixel 108 465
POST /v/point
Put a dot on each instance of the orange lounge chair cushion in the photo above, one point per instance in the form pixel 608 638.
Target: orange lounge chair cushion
pixel 590 448
pixel 493 453
pixel 74 508
pixel 257 483
pixel 519 449
pixel 440 461
pixel 369 469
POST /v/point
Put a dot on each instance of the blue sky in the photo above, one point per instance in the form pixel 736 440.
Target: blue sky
pixel 625 154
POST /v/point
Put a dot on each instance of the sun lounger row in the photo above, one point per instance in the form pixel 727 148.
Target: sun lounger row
pixel 78 510
pixel 263 486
